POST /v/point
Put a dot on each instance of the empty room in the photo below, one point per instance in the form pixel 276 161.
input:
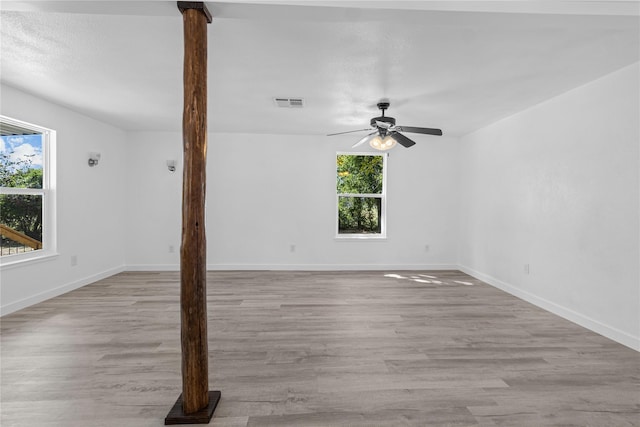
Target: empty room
pixel 319 213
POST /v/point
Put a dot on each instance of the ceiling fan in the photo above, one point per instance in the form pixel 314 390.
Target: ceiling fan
pixel 386 133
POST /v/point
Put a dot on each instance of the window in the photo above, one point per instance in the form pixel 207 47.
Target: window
pixel 361 194
pixel 26 199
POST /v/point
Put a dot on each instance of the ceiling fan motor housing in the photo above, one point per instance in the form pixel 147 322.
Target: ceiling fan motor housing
pixel 384 119
pixel 392 122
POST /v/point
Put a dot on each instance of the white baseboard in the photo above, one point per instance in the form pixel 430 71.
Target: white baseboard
pixel 43 296
pixel 152 267
pixel 596 326
pixel 296 267
pixel 331 267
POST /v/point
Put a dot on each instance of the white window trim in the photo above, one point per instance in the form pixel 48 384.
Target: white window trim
pixel 48 193
pixel 383 196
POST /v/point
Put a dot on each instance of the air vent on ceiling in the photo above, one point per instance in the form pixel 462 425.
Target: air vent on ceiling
pixel 289 102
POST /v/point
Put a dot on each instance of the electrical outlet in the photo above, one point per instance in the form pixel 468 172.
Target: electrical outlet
pixel 526 269
pixel 292 248
pixel 74 260
pixel 426 248
pixel 172 249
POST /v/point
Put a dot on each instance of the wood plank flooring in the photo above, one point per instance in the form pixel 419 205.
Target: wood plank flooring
pixel 323 349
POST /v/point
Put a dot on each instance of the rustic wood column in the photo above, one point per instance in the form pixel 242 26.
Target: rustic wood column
pixel 196 403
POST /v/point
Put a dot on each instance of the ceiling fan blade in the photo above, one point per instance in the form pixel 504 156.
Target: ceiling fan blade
pixel 349 131
pixel 363 140
pixel 426 131
pixel 402 140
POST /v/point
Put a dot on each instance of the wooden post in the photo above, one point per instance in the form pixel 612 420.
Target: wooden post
pixel 193 252
pixel 196 403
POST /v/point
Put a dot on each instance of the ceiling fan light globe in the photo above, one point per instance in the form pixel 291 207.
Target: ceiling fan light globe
pixel 382 144
pixel 388 142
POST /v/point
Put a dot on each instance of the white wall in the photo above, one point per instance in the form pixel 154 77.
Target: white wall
pixel 268 192
pixel 556 187
pixel 90 210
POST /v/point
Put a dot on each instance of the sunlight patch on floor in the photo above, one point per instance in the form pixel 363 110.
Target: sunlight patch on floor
pixel 464 283
pixel 422 278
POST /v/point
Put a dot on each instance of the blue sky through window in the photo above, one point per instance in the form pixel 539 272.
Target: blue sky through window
pixel 23 148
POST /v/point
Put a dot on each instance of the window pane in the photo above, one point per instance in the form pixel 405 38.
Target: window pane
pixel 20 223
pixel 359 215
pixel 359 174
pixel 21 161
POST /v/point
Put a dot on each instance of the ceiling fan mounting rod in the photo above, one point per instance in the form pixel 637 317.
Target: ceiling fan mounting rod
pixel 383 106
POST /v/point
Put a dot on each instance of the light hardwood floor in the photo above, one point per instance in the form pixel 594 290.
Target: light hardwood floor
pixel 314 349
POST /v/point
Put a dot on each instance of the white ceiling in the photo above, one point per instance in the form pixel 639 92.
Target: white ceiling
pixel 453 65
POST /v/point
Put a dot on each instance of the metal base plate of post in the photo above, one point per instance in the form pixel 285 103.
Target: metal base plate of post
pixel 203 416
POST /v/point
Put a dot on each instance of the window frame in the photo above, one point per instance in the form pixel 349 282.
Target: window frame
pixel 383 196
pixel 47 192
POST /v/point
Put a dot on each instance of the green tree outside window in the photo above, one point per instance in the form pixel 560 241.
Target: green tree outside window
pixel 21 213
pixel 360 189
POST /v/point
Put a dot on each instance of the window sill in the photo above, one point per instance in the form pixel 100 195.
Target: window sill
pixel 355 237
pixel 12 261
